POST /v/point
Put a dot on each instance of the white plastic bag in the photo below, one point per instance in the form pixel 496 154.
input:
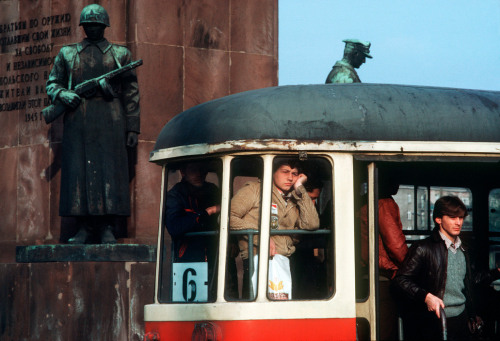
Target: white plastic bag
pixel 279 284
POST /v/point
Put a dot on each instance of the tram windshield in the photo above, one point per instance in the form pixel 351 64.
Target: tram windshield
pixel 300 223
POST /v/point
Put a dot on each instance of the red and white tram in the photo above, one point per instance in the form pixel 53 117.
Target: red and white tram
pixel 433 140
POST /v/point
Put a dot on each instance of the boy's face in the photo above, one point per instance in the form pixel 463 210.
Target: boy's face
pixel 285 177
pixel 450 226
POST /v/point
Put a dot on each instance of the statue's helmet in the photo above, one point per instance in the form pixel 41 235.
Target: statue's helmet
pixel 94 14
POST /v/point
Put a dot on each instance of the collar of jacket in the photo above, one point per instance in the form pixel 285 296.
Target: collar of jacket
pixel 436 237
pixel 103 45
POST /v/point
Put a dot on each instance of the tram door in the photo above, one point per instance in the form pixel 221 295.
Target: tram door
pixel 366 237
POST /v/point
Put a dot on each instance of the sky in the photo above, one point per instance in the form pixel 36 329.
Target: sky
pixel 448 43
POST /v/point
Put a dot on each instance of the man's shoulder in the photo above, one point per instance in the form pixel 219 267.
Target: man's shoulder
pixel 249 188
pixel 178 188
pixel 210 187
pixel 424 245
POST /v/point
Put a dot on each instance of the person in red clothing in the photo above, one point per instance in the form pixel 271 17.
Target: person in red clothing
pixel 392 249
pixel 392 241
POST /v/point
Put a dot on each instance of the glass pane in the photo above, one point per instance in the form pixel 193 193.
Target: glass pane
pixel 423 209
pixel 244 224
pixel 404 199
pixel 463 193
pixel 190 238
pixel 494 209
pixel 413 207
pixel 307 255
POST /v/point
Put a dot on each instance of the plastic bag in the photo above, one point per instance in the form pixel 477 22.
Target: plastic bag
pixel 279 284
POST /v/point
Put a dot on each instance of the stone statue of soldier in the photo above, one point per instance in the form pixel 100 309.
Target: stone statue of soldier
pixel 98 128
pixel 355 53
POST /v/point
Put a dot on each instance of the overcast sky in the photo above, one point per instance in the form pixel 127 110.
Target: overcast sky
pixel 450 43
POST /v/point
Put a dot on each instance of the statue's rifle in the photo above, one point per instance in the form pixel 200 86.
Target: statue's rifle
pixel 88 89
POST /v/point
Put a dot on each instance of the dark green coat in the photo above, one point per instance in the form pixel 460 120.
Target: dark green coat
pixel 94 170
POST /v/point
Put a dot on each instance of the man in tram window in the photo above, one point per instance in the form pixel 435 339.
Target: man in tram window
pixel 292 208
pixel 392 250
pixel 436 274
pixel 192 205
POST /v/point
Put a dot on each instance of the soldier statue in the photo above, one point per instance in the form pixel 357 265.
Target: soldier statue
pixel 98 128
pixel 355 53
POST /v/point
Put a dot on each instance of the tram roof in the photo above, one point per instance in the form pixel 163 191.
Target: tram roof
pixel 340 112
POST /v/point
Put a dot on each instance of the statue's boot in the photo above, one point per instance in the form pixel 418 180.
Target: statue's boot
pixel 80 237
pixel 107 236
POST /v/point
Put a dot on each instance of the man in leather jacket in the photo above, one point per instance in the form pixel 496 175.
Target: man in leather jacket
pixel 436 274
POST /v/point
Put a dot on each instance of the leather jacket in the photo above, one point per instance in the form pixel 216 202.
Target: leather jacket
pixel 424 271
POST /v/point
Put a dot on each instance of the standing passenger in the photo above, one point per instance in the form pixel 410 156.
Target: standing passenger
pixel 436 274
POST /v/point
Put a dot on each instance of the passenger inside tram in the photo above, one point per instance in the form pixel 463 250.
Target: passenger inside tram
pixel 193 205
pixel 291 208
pixel 391 253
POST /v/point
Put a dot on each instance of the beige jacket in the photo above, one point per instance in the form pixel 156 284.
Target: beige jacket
pixel 298 213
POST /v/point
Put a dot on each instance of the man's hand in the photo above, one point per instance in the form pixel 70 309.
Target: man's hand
pixel 132 139
pixel 301 179
pixel 434 304
pixel 69 98
pixel 213 209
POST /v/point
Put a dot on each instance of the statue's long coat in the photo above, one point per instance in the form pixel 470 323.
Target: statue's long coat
pixel 94 169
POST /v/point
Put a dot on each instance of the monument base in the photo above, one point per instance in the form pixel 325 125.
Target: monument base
pixel 86 253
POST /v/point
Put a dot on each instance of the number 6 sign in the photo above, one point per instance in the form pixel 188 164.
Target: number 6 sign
pixel 190 282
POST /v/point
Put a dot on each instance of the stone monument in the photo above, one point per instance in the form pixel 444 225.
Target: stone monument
pixel 100 121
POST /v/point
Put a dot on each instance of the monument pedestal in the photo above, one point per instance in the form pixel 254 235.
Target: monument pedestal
pixel 77 292
pixel 86 253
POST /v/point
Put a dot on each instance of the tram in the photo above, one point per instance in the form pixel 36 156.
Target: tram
pixel 432 141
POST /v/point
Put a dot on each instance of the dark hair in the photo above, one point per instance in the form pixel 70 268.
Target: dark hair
pixel 449 205
pixel 287 162
pixel 312 183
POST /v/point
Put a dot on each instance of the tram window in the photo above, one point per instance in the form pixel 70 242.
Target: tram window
pixel 416 204
pixel 494 209
pixel 309 252
pixel 244 225
pixel 190 238
pixel 413 207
